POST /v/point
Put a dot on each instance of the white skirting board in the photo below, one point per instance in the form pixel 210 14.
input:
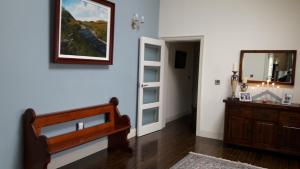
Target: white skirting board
pixel 212 135
pixel 176 116
pixel 74 154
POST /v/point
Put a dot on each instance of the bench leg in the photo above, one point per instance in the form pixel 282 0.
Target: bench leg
pixel 119 141
pixel 36 159
pixel 38 165
pixel 36 155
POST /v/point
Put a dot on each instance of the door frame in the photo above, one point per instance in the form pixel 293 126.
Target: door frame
pixel 200 75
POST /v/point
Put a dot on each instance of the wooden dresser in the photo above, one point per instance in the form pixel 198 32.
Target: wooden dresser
pixel 273 127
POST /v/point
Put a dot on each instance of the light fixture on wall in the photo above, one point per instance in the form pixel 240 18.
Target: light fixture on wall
pixel 137 21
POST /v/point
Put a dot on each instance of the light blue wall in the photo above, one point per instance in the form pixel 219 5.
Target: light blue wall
pixel 28 79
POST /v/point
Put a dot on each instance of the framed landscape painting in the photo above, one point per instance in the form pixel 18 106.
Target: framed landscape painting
pixel 84 32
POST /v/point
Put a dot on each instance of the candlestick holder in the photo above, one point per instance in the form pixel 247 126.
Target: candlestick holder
pixel 234 83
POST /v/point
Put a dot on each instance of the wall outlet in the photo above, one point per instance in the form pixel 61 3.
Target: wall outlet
pixel 79 126
pixel 217 82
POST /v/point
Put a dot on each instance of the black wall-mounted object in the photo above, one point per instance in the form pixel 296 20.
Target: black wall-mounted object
pixel 180 59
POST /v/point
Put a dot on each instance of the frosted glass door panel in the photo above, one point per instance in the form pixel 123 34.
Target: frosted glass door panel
pixel 152 53
pixel 150 116
pixel 151 74
pixel 151 95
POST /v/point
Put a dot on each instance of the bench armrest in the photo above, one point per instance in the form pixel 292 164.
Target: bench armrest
pixel 36 154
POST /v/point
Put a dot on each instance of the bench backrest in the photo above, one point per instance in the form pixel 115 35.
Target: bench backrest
pixel 75 114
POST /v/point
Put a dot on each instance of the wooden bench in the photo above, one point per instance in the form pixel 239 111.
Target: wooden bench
pixel 39 148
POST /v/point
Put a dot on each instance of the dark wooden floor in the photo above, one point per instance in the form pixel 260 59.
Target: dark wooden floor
pixel 161 150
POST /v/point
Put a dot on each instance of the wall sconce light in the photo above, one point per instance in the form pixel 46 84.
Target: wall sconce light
pixel 137 21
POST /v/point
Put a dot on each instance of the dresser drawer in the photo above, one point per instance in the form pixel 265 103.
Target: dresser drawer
pixel 290 119
pixel 240 111
pixel 266 114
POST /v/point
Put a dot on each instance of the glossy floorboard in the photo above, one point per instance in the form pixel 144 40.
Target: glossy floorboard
pixel 163 149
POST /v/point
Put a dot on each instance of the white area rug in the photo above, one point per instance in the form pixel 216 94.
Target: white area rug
pixel 200 161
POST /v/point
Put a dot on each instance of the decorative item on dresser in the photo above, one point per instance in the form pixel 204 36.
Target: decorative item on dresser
pixel 245 97
pixel 287 99
pixel 244 85
pixel 39 148
pixel 273 127
pixel 234 80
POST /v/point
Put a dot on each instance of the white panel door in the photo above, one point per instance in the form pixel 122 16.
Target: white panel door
pixel 151 62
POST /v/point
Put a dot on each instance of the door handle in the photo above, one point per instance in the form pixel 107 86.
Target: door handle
pixel 144 85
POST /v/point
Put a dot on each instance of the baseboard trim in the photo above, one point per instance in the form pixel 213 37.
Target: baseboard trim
pixel 132 133
pixel 212 135
pixel 77 153
pixel 176 116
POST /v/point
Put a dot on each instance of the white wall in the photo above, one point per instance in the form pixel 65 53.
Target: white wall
pixel 229 26
pixel 179 82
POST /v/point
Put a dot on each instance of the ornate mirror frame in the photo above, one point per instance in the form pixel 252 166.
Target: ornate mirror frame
pixel 294 52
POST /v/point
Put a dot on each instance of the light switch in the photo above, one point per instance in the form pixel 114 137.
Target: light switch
pixel 217 82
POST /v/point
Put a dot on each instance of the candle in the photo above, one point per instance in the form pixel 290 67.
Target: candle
pixel 278 87
pixel 268 81
pixel 235 67
pixel 273 85
pixel 245 80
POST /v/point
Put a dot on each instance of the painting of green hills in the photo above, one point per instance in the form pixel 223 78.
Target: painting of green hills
pixel 84 29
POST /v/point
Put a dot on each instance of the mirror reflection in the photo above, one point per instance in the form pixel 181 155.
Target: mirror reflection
pixel 273 66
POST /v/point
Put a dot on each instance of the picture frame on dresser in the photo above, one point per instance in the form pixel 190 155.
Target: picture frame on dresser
pixel 245 97
pixel 287 99
pixel 84 32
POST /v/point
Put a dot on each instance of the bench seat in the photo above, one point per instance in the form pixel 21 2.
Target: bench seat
pixel 76 138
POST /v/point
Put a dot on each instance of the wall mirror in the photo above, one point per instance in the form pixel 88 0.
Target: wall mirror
pixel 278 66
